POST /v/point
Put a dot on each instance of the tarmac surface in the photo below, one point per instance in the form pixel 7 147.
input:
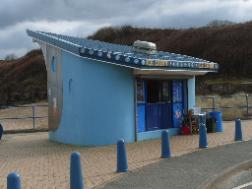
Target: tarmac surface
pixel 43 164
pixel 237 180
pixel 190 171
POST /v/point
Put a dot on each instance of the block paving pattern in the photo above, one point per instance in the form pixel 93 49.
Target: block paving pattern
pixel 43 164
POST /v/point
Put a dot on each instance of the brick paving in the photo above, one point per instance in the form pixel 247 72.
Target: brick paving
pixel 45 164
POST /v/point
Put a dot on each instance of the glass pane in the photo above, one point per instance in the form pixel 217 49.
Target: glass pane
pixel 140 91
pixel 153 91
pixel 165 91
pixel 177 91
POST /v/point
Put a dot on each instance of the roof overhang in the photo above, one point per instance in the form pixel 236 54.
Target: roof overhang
pixel 169 72
pixel 142 65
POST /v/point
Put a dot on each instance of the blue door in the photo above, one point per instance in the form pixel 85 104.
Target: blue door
pixel 141 117
pixel 152 117
pixel 177 102
pixel 165 116
pixel 160 104
pixel 141 106
pixel 158 116
pixel 177 114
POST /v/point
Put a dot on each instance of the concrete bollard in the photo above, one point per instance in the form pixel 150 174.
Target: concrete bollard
pixel 122 163
pixel 13 181
pixel 165 145
pixel 238 130
pixel 202 131
pixel 76 178
pixel 1 131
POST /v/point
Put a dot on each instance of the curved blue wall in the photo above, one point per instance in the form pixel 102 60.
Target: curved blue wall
pixel 98 103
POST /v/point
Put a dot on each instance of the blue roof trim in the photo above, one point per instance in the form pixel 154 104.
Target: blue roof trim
pixel 122 54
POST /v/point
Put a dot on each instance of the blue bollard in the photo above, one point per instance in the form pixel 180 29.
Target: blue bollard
pixel 122 163
pixel 238 130
pixel 76 178
pixel 13 181
pixel 202 131
pixel 165 145
pixel 1 131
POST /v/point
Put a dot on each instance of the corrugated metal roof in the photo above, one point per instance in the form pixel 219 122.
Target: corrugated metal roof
pixel 122 54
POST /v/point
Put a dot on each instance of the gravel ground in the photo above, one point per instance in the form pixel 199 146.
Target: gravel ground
pixel 188 171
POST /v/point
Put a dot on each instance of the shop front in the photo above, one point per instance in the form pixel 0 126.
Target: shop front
pixel 100 92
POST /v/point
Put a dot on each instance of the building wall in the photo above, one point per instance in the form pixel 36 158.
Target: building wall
pixel 191 93
pixel 52 58
pixel 98 103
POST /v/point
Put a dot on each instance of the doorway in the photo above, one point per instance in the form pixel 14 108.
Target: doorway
pixel 160 104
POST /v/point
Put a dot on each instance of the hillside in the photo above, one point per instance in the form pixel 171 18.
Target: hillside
pixel 229 45
pixel 23 80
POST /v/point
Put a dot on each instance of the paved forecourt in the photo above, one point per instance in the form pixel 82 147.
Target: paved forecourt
pixel 205 169
pixel 43 164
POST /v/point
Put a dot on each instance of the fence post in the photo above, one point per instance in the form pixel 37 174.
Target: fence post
pixel 33 116
pixel 247 106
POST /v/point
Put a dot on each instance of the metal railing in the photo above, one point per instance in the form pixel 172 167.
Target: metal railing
pixel 242 107
pixel 26 113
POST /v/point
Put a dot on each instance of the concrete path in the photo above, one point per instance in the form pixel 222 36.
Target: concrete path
pixel 190 171
pixel 43 164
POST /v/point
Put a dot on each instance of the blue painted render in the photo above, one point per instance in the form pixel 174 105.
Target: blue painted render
pixel 191 92
pixel 98 103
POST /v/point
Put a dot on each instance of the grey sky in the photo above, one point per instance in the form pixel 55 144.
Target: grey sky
pixel 83 17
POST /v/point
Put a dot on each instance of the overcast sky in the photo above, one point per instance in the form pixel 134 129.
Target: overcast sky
pixel 83 17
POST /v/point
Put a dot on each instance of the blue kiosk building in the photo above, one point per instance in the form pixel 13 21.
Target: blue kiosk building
pixel 100 92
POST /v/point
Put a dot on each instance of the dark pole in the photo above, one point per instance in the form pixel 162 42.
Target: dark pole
pixel 33 116
pixel 213 102
pixel 247 106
